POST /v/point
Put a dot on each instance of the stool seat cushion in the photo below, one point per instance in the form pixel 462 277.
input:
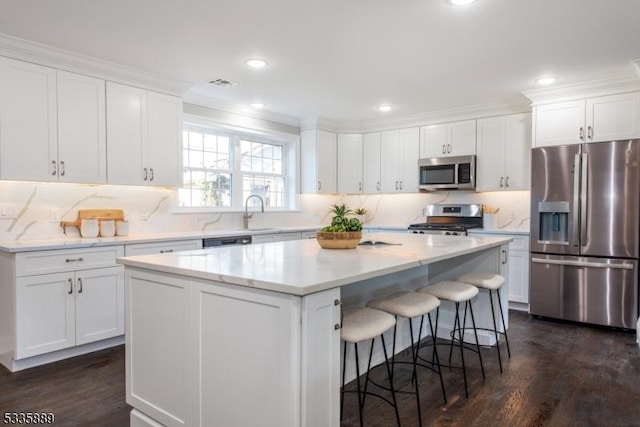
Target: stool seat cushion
pixel 483 280
pixel 364 324
pixel 406 304
pixel 451 291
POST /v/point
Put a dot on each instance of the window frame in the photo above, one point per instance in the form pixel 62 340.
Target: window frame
pixel 291 164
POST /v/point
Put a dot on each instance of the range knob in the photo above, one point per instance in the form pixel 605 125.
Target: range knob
pixel 447 233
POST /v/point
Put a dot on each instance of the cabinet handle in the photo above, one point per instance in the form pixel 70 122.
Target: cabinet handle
pixel 337 302
pixel 589 132
pixel 504 259
pixel 70 291
pixel 145 175
pixel 401 185
pixel 337 326
pixel 396 185
pixel 54 167
pixel 74 259
pixel 581 133
pixel 506 182
pixel 378 186
pixel 444 148
pixel 319 185
pixel 501 180
pixel 448 148
pixel 166 251
pixel 61 168
pixel 359 186
pixel 150 174
pixel 79 285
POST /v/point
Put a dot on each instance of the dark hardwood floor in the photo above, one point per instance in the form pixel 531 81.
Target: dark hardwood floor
pixel 559 374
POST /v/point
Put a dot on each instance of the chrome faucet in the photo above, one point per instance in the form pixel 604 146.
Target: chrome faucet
pixel 248 215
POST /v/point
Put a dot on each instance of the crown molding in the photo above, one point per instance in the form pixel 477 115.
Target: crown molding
pixel 38 53
pixel 573 91
pixel 220 105
pixel 319 123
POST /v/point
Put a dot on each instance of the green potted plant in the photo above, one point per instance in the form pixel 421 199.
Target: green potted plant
pixel 344 232
pixel 360 214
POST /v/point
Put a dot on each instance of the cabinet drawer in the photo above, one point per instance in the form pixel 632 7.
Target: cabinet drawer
pixel 56 261
pixel 162 247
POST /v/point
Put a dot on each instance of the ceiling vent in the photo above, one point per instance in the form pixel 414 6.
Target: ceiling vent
pixel 223 83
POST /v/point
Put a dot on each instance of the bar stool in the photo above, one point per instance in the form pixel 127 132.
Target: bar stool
pixel 411 305
pixel 361 325
pixel 458 292
pixel 491 282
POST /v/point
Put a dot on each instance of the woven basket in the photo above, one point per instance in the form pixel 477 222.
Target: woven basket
pixel 338 240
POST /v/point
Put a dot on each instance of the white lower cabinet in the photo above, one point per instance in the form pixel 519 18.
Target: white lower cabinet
pixel 162 247
pixel 276 237
pixel 209 333
pixel 58 300
pixel 518 276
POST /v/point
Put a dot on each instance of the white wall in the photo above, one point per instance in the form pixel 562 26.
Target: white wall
pixel 26 209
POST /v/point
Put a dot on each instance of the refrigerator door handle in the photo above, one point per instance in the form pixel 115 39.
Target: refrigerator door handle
pixel 576 199
pixel 584 190
pixel 582 264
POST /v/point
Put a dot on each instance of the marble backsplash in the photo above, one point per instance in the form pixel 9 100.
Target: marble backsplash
pixel 33 210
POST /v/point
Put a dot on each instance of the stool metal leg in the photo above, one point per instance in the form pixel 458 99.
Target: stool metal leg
pixel 456 325
pixel 393 393
pixel 358 383
pixel 344 366
pixel 475 332
pixel 444 393
pixel 506 338
pixel 414 354
pixel 495 329
pixel 366 381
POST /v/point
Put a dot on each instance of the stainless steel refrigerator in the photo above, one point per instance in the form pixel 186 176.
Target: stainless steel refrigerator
pixel 585 232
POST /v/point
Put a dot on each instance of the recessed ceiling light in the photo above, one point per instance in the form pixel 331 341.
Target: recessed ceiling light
pixel 257 105
pixel 546 80
pixel 256 63
pixel 384 108
pixel 460 2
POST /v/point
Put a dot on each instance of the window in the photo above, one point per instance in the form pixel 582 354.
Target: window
pixel 222 169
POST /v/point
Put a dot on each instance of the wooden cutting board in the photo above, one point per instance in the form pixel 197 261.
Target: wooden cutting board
pixel 99 214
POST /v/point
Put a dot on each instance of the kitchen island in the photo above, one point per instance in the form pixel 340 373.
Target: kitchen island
pixel 249 335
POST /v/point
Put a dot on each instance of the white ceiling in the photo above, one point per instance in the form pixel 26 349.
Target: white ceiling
pixel 339 59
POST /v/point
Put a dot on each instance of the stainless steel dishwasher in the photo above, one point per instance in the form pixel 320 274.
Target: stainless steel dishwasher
pixel 212 242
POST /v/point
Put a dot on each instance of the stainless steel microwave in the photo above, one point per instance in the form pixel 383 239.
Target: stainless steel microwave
pixel 447 173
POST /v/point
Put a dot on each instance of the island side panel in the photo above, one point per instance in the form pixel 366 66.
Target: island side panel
pixel 320 362
pixel 157 346
pixel 247 356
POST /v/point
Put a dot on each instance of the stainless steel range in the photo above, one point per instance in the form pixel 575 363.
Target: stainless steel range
pixel 452 220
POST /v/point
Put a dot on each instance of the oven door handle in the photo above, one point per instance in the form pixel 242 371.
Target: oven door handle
pixel 582 264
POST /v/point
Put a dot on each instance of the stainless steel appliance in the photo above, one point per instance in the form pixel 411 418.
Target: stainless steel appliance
pixel 585 232
pixel 452 220
pixel 226 241
pixel 447 173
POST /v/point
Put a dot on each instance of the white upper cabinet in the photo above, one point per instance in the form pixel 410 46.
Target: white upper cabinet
pixel 504 153
pixel 144 134
pixel 350 158
pixel 318 159
pixel 371 163
pixel 82 151
pixel 603 118
pixel 52 124
pixel 399 151
pixel 448 139
pixel 28 123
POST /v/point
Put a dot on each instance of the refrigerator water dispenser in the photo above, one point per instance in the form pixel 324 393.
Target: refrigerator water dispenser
pixel 554 222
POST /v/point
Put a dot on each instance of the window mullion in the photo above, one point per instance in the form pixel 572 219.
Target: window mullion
pixel 236 177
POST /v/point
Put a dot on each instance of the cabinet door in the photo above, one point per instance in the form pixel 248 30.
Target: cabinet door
pixel 28 124
pixel 517 166
pixel 82 152
pixel 559 123
pixel 518 281
pixel 409 145
pixel 45 314
pixel 433 141
pixel 491 154
pixel 391 161
pixel 613 117
pixel 164 149
pixel 126 131
pixel 461 138
pixel 326 151
pixel 350 163
pixel 99 304
pixel 371 163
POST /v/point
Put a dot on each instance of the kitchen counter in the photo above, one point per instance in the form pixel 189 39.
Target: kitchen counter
pixel 258 326
pixel 14 246
pixel 302 267
pixel 499 231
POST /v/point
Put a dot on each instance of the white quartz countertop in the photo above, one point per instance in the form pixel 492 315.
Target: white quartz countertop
pixel 499 231
pixel 79 242
pixel 301 267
